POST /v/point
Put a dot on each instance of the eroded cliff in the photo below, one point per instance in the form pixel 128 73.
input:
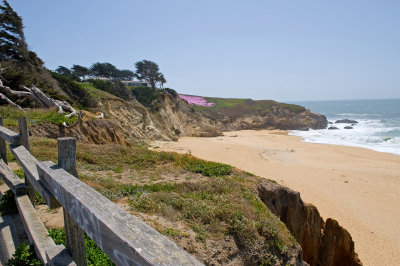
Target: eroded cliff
pixel 323 242
pixel 172 117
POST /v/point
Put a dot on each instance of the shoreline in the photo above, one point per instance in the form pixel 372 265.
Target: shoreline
pixel 358 187
pixel 292 133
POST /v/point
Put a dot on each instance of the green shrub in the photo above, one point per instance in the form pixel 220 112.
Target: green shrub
pixel 74 91
pixel 24 255
pixel 115 87
pixel 38 199
pixel 94 255
pixel 171 91
pixel 144 95
pixel 114 190
pixel 95 93
pixel 20 173
pixel 206 168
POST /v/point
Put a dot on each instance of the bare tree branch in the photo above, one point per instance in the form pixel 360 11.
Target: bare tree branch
pixel 5 98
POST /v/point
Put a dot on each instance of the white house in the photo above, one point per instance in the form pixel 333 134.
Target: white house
pixel 136 83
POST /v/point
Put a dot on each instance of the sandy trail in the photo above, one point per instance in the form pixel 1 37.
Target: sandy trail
pixel 358 187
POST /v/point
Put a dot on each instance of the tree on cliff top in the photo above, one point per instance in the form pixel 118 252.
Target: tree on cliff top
pixel 105 70
pixel 149 71
pixel 80 71
pixel 21 66
pixel 12 39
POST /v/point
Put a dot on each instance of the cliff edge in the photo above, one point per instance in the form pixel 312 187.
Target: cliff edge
pixel 322 242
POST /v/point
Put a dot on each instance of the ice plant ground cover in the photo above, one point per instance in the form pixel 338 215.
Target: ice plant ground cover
pixel 196 100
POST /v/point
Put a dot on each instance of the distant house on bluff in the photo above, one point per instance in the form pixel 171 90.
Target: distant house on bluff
pixel 136 83
pixel 129 82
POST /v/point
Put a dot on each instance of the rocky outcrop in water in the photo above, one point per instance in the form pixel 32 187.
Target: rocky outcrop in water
pixel 323 243
pixel 346 121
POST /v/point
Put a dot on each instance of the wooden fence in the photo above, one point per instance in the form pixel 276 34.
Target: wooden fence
pixel 123 237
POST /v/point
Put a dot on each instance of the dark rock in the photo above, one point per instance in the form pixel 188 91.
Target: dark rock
pixel 337 246
pixel 330 123
pixel 333 128
pixel 348 127
pixel 346 121
pixel 323 243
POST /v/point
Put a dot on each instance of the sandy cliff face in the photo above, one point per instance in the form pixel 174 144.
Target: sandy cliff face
pixel 323 243
pixel 97 131
pixel 173 118
pixel 168 122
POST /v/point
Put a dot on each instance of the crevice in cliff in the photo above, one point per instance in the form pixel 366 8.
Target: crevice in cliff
pixel 323 242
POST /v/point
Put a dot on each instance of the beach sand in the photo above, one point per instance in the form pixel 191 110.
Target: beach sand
pixel 358 187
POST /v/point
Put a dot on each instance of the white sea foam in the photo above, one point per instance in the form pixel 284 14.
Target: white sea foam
pixel 359 115
pixel 378 127
pixel 368 133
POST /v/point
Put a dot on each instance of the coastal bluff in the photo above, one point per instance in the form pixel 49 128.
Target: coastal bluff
pixel 170 117
pixel 173 117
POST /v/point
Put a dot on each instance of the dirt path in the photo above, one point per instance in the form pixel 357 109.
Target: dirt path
pixel 358 187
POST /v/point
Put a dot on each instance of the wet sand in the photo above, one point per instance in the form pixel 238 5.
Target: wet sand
pixel 358 187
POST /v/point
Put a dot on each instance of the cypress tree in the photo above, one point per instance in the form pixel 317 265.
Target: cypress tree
pixel 12 40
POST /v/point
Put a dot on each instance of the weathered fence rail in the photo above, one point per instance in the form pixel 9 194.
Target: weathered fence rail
pixel 123 237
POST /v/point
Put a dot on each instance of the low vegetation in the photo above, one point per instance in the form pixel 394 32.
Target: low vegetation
pixel 24 255
pixel 210 201
pixel 114 87
pixel 78 94
pixel 95 93
pixel 10 116
pixel 144 95
pixel 220 107
pixel 94 255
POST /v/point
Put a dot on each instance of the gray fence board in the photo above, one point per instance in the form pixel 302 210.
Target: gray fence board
pixel 3 145
pixel 74 235
pixel 10 136
pixel 123 237
pixel 28 164
pixel 17 186
pixel 48 252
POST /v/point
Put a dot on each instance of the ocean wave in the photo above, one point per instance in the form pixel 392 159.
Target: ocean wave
pixel 378 126
pixel 359 115
pixel 368 135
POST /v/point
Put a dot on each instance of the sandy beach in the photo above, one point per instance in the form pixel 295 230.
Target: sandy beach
pixel 360 188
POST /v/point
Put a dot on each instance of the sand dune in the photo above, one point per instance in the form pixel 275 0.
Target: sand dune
pixel 358 187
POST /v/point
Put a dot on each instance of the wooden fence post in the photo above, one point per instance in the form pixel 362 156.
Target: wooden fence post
pixel 3 145
pixel 74 234
pixel 24 132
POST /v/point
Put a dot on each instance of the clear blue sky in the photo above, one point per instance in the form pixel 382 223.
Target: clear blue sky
pixel 282 50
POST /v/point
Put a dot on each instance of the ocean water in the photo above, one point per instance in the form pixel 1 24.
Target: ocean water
pixel 378 128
